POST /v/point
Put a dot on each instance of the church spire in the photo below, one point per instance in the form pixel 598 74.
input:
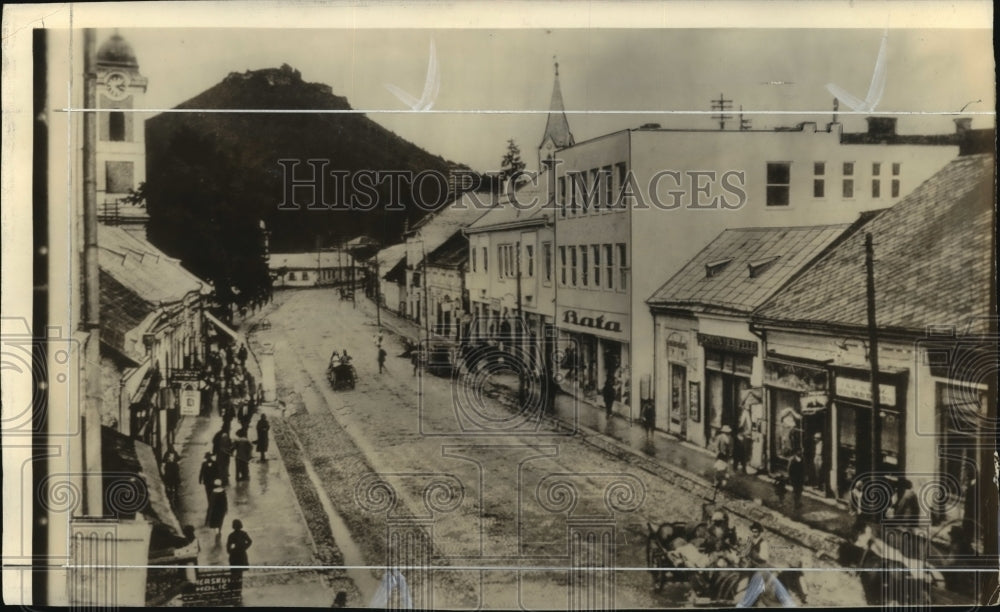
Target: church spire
pixel 557 126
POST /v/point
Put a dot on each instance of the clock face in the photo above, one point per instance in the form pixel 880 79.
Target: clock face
pixel 116 86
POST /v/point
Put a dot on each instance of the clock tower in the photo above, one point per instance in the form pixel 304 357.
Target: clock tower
pixel 121 146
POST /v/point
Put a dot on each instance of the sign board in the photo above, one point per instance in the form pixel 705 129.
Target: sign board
pixel 605 324
pixel 214 588
pixel 732 345
pixel 861 390
pixel 190 398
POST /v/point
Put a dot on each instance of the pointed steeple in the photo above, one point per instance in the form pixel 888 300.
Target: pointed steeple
pixel 557 127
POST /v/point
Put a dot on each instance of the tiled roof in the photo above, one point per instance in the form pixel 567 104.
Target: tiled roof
pixel 743 267
pixel 388 257
pixel 310 260
pixel 453 253
pixel 121 312
pixel 438 227
pixel 527 203
pixel 142 268
pixel 932 261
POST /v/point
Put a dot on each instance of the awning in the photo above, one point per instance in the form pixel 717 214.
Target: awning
pixel 123 458
pixel 224 328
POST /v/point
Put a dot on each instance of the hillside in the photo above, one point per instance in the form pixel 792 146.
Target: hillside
pixel 211 177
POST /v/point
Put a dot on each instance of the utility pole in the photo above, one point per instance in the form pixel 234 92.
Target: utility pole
pixel 722 105
pixel 519 335
pixel 378 296
pixel 875 436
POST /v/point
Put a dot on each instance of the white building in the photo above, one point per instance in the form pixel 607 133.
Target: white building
pixel 634 206
pixel 315 269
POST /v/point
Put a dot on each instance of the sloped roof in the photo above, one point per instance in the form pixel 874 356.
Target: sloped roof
pixel 453 253
pixel 932 261
pixel 743 267
pixel 121 312
pixel 528 202
pixel 436 228
pixel 310 260
pixel 389 257
pixel 143 269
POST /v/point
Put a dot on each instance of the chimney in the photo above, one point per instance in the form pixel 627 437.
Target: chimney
pixel 963 125
pixel 881 126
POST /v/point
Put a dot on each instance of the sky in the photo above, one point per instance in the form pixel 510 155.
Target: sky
pixel 608 76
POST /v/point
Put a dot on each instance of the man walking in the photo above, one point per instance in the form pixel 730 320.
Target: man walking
pixel 609 396
pixel 244 450
pixel 381 359
pixel 207 474
pixel 796 477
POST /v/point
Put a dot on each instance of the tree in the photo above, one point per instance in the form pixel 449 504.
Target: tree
pixel 512 164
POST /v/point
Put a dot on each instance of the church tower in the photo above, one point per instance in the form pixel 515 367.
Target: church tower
pixel 121 146
pixel 557 134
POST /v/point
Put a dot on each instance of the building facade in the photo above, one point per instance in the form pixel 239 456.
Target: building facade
pixel 315 269
pixel 934 282
pixel 632 207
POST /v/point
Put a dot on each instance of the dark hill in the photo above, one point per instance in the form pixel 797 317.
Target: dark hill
pixel 211 177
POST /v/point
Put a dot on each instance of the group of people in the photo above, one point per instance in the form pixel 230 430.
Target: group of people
pixel 214 474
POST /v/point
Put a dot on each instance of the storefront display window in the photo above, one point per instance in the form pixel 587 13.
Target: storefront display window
pixel 788 423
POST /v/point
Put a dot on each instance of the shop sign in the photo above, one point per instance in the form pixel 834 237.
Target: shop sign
pixel 190 400
pixel 731 345
pixel 677 347
pixel 794 377
pixel 599 322
pixel 862 390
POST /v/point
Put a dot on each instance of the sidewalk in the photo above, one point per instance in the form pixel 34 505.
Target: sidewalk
pixel 819 524
pixel 270 513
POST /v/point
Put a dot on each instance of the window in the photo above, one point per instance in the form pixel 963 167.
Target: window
pixel 507 255
pixel 778 178
pixel 562 195
pixel 593 195
pixel 562 265
pixel 848 186
pixel 305 275
pixel 486 261
pixel 529 254
pixel 819 185
pixel 574 193
pixel 609 197
pixel 547 260
pixel 876 182
pixel 572 266
pixel 622 268
pixel 622 177
pixel 291 276
pixel 473 259
pixel 895 180
pixel 609 263
pixel 583 266
pixel 596 250
pixel 116 126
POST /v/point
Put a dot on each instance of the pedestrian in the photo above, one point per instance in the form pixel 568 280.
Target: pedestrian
pixel 207 475
pixel 756 554
pixel 236 545
pixel 739 453
pixel 415 359
pixel 242 354
pixel 819 477
pixel 340 601
pixel 796 477
pixel 907 506
pixel 223 455
pixel 724 442
pixel 244 450
pixel 263 434
pixel 609 396
pixel 171 476
pixel 648 417
pixel 721 474
pixel 381 359
pixel 218 505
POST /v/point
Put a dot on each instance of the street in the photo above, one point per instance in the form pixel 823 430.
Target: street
pixel 448 508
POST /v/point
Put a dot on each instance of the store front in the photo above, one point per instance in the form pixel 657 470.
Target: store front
pixel 799 417
pixel 852 400
pixel 962 415
pixel 728 367
pixel 596 350
pixel 677 371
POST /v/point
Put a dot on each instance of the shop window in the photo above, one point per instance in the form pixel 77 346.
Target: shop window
pixel 961 410
pixel 486 261
pixel 305 276
pixel 778 183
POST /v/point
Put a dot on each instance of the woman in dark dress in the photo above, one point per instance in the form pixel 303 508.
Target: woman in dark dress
pixel 218 506
pixel 263 433
pixel 237 545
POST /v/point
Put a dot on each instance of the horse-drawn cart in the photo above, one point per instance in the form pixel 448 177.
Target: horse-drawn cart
pixel 341 375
